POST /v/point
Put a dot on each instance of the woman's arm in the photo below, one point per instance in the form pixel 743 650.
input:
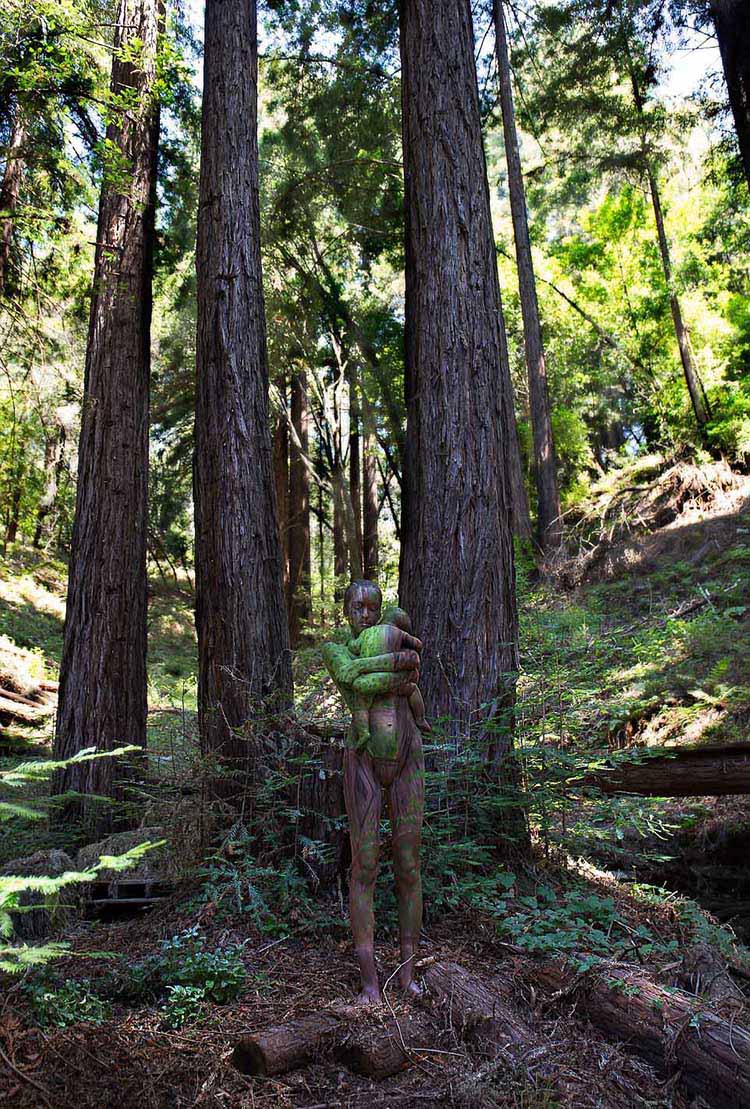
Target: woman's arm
pixel 384 668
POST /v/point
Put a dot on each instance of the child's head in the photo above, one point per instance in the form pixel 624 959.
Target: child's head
pixel 392 614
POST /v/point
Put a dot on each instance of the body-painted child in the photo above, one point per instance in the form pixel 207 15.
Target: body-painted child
pixel 393 633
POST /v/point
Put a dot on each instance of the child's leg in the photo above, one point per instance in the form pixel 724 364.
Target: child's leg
pixel 416 704
pixel 361 723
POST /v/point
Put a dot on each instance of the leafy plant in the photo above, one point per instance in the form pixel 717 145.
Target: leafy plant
pixel 73 1002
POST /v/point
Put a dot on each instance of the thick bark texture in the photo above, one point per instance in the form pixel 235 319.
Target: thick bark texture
pixel 339 537
pixel 708 1055
pixel 545 462
pixel 243 640
pixel 10 191
pixel 733 32
pixel 685 772
pixel 286 1046
pixel 103 670
pixel 300 605
pixel 457 574
pixel 370 549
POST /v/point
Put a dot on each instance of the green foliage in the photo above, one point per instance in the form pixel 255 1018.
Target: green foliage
pixel 16 958
pixel 184 1005
pixel 73 1002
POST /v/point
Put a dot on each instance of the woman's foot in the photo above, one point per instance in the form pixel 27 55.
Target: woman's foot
pixel 369 995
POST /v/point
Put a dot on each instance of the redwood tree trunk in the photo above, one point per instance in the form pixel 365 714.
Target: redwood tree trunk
pixel 733 32
pixel 102 698
pixel 370 550
pixel 10 191
pixel 545 463
pixel 299 513
pixel 339 541
pixel 243 638
pixel 457 574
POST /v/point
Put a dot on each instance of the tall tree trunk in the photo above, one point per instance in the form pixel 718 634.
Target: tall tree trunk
pixel 299 513
pixel 545 463
pixel 355 462
pixel 457 572
pixel 520 516
pixel 370 551
pixel 695 388
pixel 102 698
pixel 339 540
pixel 243 637
pixel 281 482
pixel 54 457
pixel 10 191
pixel 732 24
pixel 17 481
pixel 692 379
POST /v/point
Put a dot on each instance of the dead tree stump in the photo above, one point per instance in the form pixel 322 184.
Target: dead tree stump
pixel 288 1046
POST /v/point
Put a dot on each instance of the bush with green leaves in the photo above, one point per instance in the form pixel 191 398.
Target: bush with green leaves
pixel 72 1002
pixel 218 974
pixel 184 1005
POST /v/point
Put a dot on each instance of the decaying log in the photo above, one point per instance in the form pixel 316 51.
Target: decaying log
pixel 50 687
pixel 288 1046
pixel 9 695
pixel 668 1027
pixel 480 1014
pixel 710 771
pixel 386 1045
pixel 12 711
pixel 705 972
pixel 369 1042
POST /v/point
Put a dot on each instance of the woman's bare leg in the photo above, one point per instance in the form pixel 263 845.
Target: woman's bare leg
pixel 363 797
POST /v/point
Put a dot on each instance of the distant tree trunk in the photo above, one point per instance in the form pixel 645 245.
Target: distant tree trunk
pixel 690 370
pixel 355 460
pixel 457 572
pixel 243 638
pixel 102 697
pixel 10 191
pixel 17 481
pixel 339 542
pixel 732 24
pixel 692 380
pixel 370 550
pixel 545 463
pixel 54 457
pixel 299 513
pixel 520 516
pixel 281 482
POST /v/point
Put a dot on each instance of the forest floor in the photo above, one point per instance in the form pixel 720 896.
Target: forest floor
pixel 641 638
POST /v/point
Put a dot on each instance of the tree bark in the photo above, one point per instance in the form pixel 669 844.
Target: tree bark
pixel 457 572
pixel 733 32
pixel 102 699
pixel 300 605
pixel 545 462
pixel 370 549
pixel 667 1027
pixel 339 540
pixel 684 772
pixel 281 483
pixel 10 191
pixel 244 664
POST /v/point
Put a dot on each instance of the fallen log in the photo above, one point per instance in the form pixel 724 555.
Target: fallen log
pixel 11 712
pixel 666 1026
pixel 380 1048
pixel 367 1041
pixel 711 771
pixel 480 1014
pixel 286 1047
pixel 9 695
